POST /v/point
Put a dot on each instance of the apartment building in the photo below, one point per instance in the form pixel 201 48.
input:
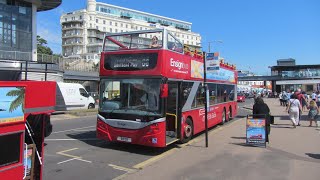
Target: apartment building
pixel 83 30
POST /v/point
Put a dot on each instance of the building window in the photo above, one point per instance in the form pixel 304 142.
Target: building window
pixel 97 21
pixel 121 25
pixel 116 24
pixel 90 18
pixel 97 27
pixel 126 25
pixel 110 23
pixel 141 28
pixel 104 28
pixel 116 30
pixel 80 17
pixel 65 19
pixel 110 29
pixel 104 21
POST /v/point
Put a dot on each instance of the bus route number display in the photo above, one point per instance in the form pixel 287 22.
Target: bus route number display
pixel 130 62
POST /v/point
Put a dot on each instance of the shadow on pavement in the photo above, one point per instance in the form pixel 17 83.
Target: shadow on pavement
pixel 238 137
pixel 315 156
pixel 285 127
pixel 89 137
pixel 286 117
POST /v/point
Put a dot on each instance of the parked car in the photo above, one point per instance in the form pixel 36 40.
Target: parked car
pixel 241 97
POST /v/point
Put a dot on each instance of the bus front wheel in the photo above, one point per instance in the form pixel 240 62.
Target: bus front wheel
pixel 188 131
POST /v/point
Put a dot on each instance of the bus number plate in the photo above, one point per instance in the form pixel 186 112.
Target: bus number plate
pixel 124 139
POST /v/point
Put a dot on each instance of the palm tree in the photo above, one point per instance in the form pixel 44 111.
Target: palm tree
pixel 19 92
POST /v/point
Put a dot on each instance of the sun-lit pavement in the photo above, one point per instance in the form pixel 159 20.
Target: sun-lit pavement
pixel 292 154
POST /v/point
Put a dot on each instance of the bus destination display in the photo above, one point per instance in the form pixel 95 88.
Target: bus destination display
pixel 130 62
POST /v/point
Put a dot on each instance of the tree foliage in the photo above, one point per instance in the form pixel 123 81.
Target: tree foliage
pixel 41 46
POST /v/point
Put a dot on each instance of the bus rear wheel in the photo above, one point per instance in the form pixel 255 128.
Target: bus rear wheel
pixel 188 131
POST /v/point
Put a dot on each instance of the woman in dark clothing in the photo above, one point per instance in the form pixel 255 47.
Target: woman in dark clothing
pixel 261 110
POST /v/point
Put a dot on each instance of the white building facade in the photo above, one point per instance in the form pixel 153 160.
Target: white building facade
pixel 83 30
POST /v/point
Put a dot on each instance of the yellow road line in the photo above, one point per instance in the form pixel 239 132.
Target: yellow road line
pixel 121 168
pixel 68 155
pixel 67 150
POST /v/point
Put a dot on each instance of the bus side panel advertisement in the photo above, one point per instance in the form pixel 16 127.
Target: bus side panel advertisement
pixel 177 66
pixel 11 104
pixel 222 75
pixel 256 132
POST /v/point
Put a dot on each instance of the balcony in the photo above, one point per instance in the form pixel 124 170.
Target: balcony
pixel 164 23
pixel 95 44
pixel 69 35
pixel 72 27
pixel 183 27
pixel 126 15
pixel 72 21
pixel 152 20
pixel 72 43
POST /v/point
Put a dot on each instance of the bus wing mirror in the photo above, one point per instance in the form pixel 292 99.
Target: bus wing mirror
pixel 164 91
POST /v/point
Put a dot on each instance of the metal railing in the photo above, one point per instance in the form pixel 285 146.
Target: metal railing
pixel 15 55
pixel 64 64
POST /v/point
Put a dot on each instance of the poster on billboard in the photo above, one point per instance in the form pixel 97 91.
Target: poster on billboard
pixel 256 131
pixel 11 104
pixel 212 62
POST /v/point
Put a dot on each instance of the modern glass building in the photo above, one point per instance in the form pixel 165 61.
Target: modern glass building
pixel 18 27
pixel 292 77
pixel 18 40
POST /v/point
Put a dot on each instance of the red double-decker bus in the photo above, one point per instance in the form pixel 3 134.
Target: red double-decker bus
pixel 151 90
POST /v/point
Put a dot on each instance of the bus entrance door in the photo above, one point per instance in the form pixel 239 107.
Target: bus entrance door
pixel 172 114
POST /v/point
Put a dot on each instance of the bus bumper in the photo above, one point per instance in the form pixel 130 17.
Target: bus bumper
pixel 152 135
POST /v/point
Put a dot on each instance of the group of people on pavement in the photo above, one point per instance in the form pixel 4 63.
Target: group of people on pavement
pixel 294 103
pixel 298 102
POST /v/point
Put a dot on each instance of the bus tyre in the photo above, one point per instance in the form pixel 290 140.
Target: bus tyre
pixel 223 117
pixel 91 106
pixel 188 131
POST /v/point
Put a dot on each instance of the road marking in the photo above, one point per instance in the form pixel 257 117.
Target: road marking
pixel 121 168
pixel 66 161
pixel 84 160
pixel 73 129
pixel 127 170
pixel 68 155
pixel 71 156
pixel 83 139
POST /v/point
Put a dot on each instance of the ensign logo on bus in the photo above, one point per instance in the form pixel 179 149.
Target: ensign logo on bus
pixel 177 64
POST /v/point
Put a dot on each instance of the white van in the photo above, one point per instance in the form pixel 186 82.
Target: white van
pixel 72 96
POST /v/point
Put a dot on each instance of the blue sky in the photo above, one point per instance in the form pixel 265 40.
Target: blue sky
pixel 255 33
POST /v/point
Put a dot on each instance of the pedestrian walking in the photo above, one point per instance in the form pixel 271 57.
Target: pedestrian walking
pixel 261 110
pixel 293 109
pixel 313 112
pixel 304 101
pixel 280 98
pixel 318 98
pixel 313 96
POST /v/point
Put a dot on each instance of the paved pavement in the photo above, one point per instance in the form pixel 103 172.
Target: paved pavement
pixel 292 154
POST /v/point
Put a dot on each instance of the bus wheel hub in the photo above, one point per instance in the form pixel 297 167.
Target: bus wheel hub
pixel 188 130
